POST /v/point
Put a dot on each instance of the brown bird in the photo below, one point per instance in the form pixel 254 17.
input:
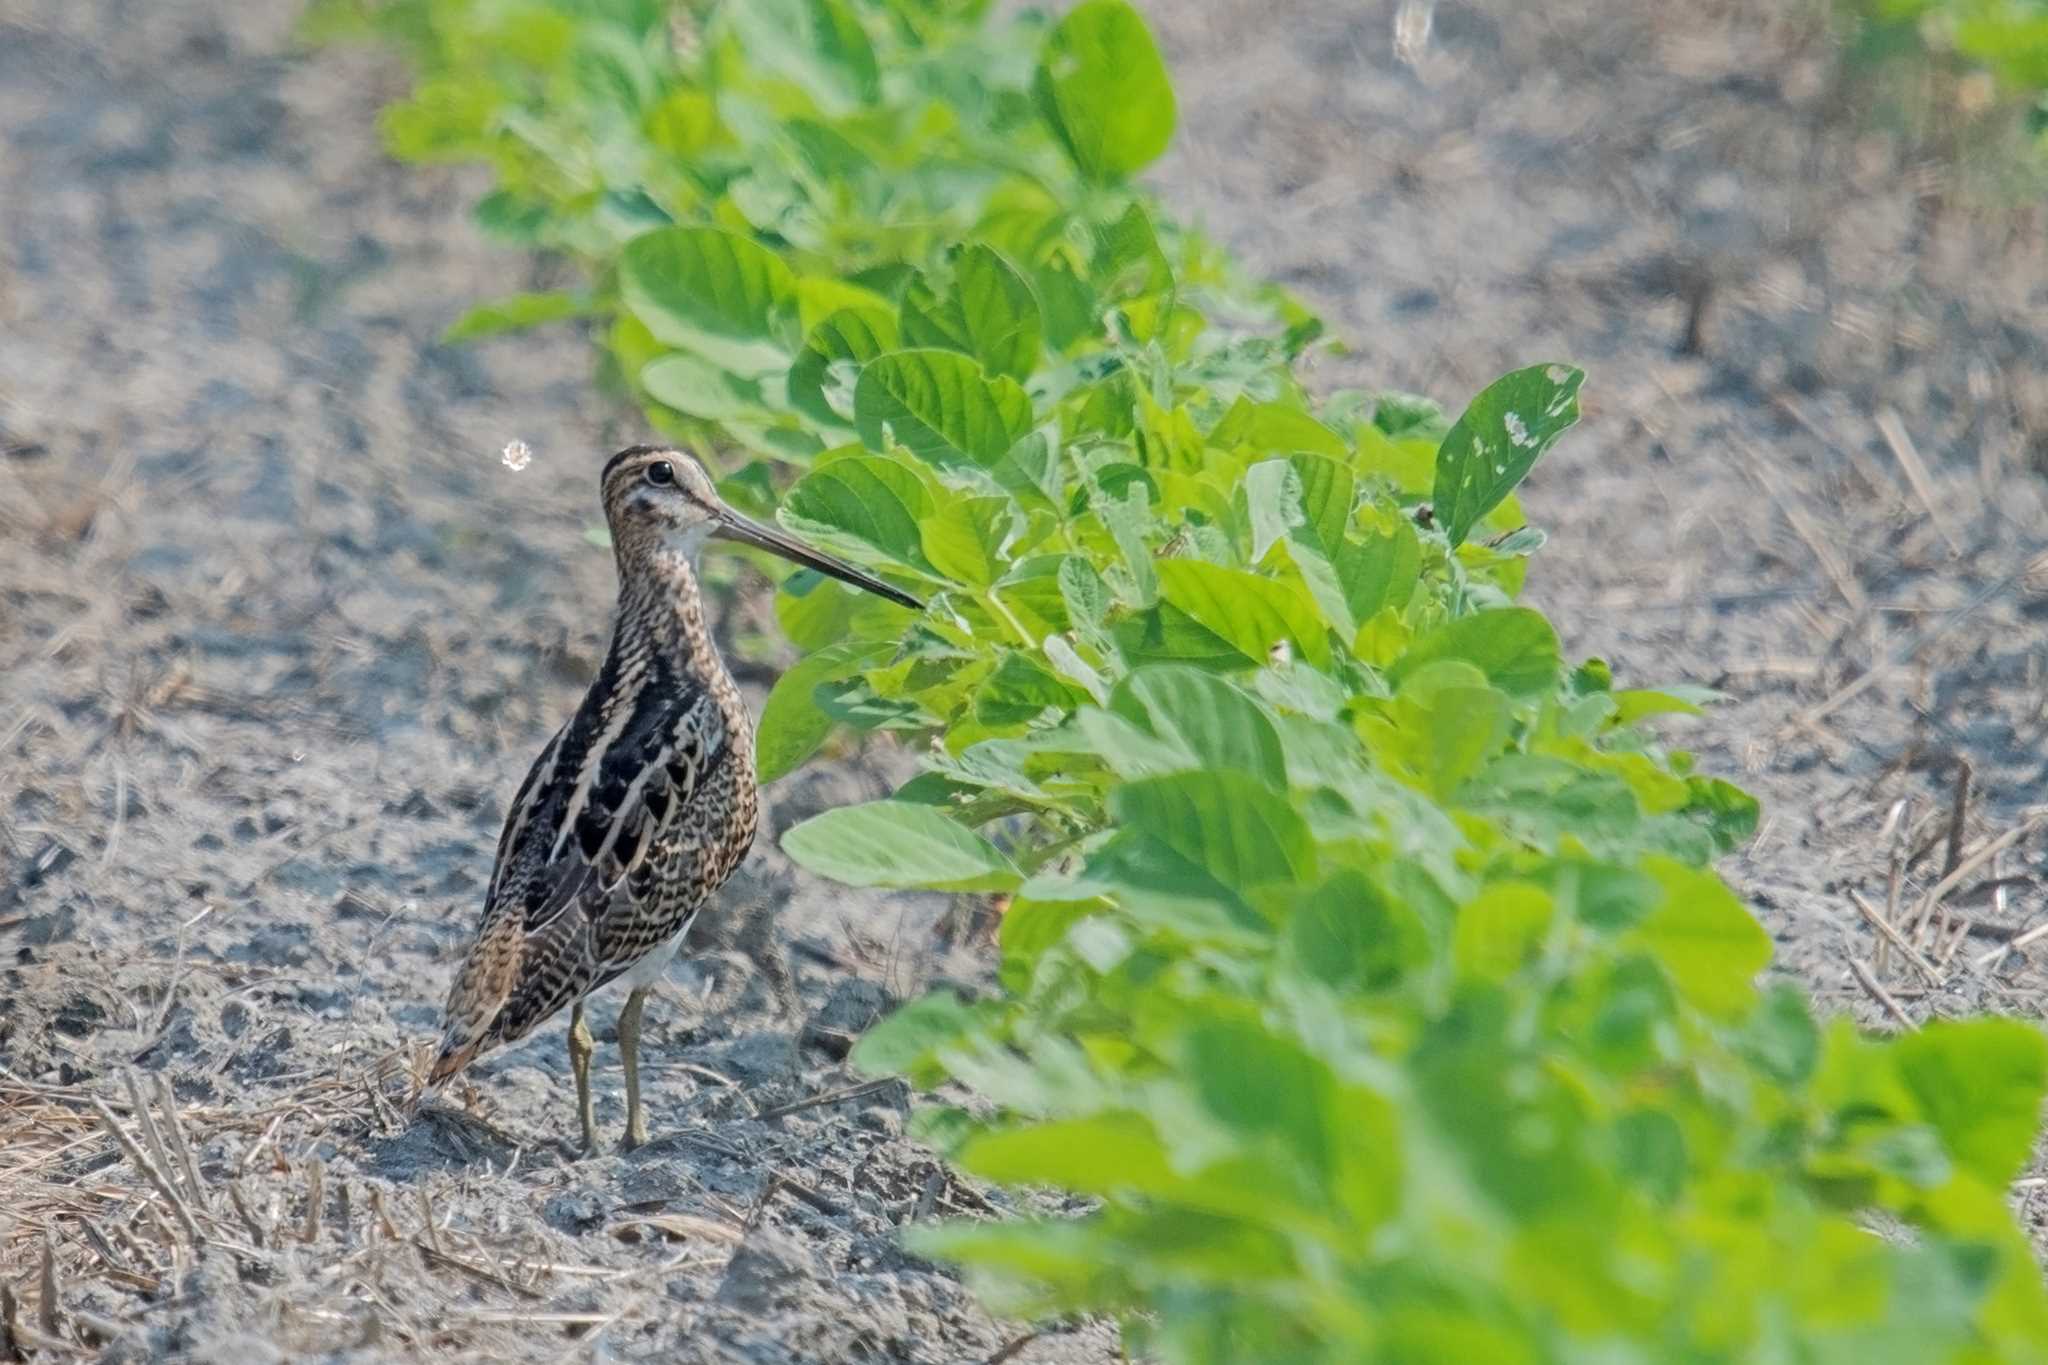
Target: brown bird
pixel 641 805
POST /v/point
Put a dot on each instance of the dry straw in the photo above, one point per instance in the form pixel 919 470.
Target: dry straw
pixel 114 1196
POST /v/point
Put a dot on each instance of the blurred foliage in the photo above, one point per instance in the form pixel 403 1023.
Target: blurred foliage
pixel 1989 56
pixel 1361 956
pixel 2008 38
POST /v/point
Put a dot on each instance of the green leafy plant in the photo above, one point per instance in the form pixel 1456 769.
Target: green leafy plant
pixel 1361 959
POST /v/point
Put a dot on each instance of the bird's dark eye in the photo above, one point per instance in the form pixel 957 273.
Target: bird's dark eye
pixel 661 474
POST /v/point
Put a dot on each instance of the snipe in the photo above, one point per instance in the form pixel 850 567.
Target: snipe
pixel 641 805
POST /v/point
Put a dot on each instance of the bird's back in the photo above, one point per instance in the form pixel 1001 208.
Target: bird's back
pixel 638 809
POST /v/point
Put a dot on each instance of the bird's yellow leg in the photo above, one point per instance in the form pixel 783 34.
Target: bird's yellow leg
pixel 629 1053
pixel 581 1046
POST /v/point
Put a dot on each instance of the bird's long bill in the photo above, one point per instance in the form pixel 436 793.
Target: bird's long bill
pixel 730 525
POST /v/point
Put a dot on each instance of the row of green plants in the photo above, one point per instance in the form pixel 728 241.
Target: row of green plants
pixel 1362 960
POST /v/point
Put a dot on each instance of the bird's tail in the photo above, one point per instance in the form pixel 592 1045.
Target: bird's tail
pixel 481 986
pixel 455 1054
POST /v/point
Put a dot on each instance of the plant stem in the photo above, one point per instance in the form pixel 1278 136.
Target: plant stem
pixel 995 607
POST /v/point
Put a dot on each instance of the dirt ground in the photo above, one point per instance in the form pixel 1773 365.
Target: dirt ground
pixel 278 635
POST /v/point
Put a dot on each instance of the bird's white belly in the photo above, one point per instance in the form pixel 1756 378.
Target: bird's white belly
pixel 649 969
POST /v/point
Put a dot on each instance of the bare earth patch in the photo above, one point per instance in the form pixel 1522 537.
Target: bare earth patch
pixel 280 629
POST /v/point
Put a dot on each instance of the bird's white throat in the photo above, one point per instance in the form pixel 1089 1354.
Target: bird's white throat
pixel 687 542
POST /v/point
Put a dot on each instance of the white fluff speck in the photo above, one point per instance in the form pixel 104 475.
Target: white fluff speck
pixel 1518 431
pixel 517 455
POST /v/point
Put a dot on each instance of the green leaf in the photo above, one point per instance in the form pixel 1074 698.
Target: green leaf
pixel 1253 613
pixel 1228 823
pixel 905 1043
pixel 685 123
pixel 1276 429
pixel 1641 703
pixel 1104 1154
pixel 1515 647
pixel 837 31
pixel 447 118
pixel 1328 493
pixel 516 311
pixel 1213 723
pixel 1440 730
pixel 1782 1037
pixel 819 44
pixel 815 611
pixel 1492 446
pixel 1729 812
pixel 850 337
pixel 1272 494
pixel 611 70
pixel 713 292
pixel 1980 1083
pixel 1031 926
pixel 1261 1084
pixel 1547 800
pixel 897 844
pixel 698 388
pixel 792 725
pixel 990 314
pixel 1083 593
pixel 1357 579
pixel 1059 1259
pixel 1306 501
pixel 1068 663
pixel 1126 514
pixel 858 504
pixel 1128 263
pixel 1410 415
pixel 1380 572
pixel 1019 691
pixel 965 538
pixel 1652 1151
pixel 511 217
pixel 1347 934
pixel 941 406
pixel 1104 89
pixel 1166 634
pixel 1501 929
pixel 1706 940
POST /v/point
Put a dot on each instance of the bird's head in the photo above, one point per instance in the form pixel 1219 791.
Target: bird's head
pixel 657 498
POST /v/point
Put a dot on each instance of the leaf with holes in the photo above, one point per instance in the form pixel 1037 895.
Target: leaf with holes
pixel 1500 436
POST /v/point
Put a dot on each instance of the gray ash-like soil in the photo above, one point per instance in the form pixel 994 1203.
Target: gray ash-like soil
pixel 278 634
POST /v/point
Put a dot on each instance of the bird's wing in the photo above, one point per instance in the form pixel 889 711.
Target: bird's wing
pixel 586 818
pixel 539 778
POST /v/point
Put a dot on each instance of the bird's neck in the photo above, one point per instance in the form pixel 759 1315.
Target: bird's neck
pixel 661 613
pixel 659 599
